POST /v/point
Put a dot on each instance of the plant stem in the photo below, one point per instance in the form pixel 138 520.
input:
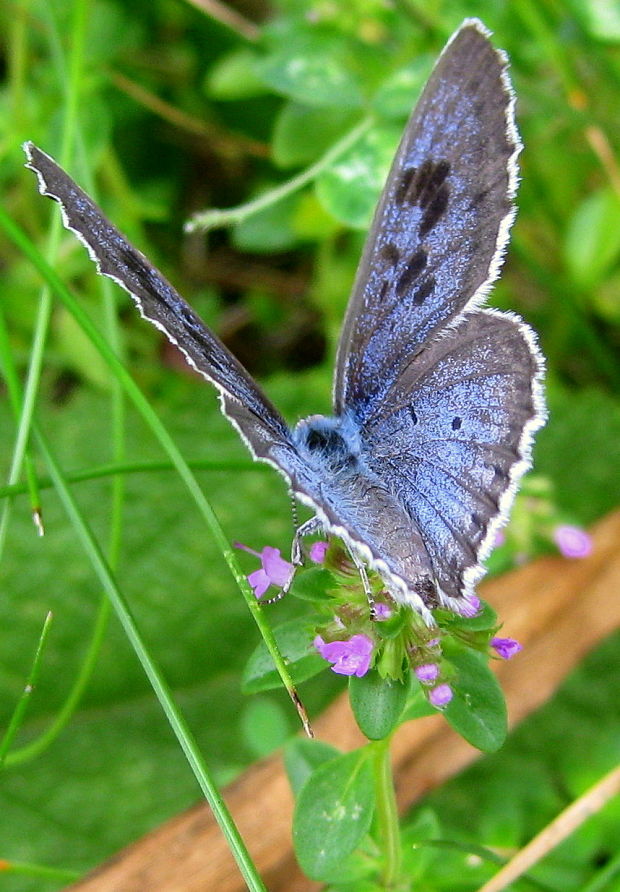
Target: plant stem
pixel 388 826
pixel 218 217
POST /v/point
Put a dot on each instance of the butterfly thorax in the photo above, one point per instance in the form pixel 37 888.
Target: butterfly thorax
pixel 335 478
pixel 330 443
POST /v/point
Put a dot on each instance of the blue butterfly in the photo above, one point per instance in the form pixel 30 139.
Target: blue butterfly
pixel 436 399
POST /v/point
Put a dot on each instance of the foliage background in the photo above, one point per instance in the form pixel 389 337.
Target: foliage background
pixel 178 112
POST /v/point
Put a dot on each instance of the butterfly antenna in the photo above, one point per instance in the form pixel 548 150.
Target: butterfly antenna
pixel 294 512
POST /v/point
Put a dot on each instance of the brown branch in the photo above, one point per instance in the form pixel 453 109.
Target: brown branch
pixel 228 145
pixel 559 609
pixel 229 17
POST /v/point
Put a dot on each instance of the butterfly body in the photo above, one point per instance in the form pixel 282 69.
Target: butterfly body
pixel 436 399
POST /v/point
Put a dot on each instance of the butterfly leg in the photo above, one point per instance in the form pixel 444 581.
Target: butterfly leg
pixel 297 558
pixel 306 529
pixel 361 569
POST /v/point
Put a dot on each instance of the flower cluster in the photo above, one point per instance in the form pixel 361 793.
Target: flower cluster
pixel 386 635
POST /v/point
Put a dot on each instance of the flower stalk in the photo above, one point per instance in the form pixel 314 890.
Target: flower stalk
pixel 386 813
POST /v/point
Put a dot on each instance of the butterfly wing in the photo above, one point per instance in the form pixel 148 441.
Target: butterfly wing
pixel 256 419
pixel 454 439
pixel 442 222
pixel 447 397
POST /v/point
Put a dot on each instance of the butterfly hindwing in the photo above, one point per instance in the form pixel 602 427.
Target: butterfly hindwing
pixel 454 439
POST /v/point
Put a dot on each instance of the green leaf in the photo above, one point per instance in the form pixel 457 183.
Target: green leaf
pixel 417 857
pixel 312 68
pixel 417 706
pixel 377 703
pixel 392 627
pixel 399 93
pixel 592 242
pixel 265 725
pixel 311 221
pixel 234 77
pixel 270 229
pixel 350 188
pixel 294 641
pixel 313 584
pixel 485 619
pixel 333 813
pixel 601 18
pixel 478 710
pixel 606 299
pixel 303 756
pixel 303 133
pixel 587 485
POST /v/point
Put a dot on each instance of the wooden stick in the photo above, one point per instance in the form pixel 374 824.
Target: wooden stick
pixel 557 608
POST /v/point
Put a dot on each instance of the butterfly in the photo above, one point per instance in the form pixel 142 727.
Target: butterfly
pixel 436 399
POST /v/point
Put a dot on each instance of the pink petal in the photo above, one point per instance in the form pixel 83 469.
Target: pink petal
pixel 277 569
pixel 441 695
pixel 506 647
pixel 259 581
pixel 572 541
pixel 317 551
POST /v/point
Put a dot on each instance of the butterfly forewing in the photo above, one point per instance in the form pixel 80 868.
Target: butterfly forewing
pixel 158 302
pixel 441 224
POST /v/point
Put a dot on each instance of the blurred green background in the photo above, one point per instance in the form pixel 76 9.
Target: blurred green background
pixel 163 110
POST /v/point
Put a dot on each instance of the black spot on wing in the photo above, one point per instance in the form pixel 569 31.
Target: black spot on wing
pixel 456 423
pixel 427 188
pixel 412 270
pixel 435 210
pixel 400 195
pixel 427 286
pixel 427 181
pixel 478 520
pixel 478 198
pixel 499 473
pixel 391 253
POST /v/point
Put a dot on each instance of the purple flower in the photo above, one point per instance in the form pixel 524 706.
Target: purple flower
pixel 274 569
pixel 572 541
pixel 382 611
pixel 505 647
pixel 500 538
pixel 441 695
pixel 427 673
pixel 317 551
pixel 351 657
